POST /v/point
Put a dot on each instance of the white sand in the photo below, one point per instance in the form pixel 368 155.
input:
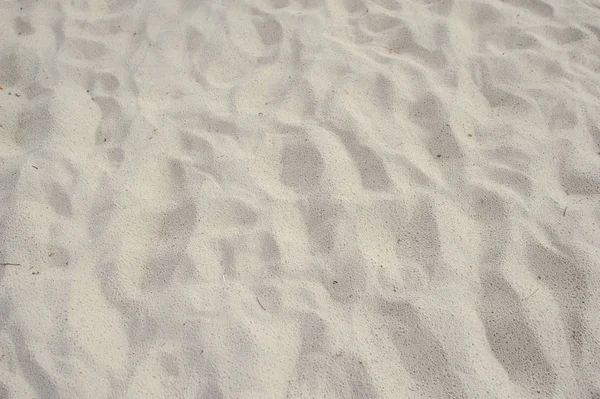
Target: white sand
pixel 300 198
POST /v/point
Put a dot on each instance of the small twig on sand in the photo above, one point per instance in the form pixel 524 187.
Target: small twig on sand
pixel 261 305
pixel 565 211
pixel 530 295
pixel 10 264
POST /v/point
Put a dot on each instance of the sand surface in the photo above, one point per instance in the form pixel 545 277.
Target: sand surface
pixel 300 198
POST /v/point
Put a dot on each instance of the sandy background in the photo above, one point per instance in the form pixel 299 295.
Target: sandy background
pixel 300 198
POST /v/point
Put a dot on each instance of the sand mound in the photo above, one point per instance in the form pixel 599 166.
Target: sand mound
pixel 300 198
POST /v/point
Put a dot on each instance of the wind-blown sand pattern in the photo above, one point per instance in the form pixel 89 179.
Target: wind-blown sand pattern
pixel 300 198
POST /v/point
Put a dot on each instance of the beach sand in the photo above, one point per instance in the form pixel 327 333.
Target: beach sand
pixel 300 198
